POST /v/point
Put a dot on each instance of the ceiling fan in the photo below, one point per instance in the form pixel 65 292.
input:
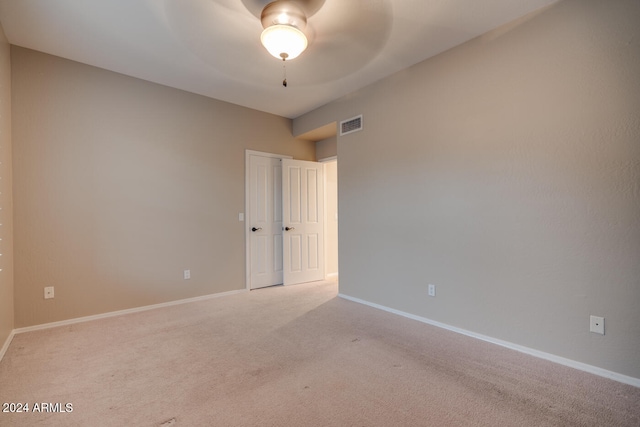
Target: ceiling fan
pixel 341 36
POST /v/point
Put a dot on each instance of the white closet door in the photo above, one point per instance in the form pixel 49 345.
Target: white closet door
pixel 265 221
pixel 303 221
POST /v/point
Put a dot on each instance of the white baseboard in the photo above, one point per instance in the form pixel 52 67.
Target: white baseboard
pixel 121 312
pixel 5 346
pixel 522 349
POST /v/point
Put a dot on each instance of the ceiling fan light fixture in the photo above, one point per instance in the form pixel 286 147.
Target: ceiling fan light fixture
pixel 283 22
pixel 284 41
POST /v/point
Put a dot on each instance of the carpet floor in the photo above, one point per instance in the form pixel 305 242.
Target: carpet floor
pixel 291 356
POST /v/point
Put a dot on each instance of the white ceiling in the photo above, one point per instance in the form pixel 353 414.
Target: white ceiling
pixel 212 47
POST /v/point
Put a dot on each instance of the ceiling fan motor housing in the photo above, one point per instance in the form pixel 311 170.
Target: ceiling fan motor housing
pixel 283 12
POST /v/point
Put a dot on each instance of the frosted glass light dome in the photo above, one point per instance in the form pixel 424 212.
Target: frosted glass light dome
pixel 284 41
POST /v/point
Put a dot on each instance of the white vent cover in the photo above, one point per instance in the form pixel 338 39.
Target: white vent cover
pixel 351 125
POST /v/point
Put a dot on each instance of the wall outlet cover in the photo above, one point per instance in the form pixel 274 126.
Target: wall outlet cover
pixel 432 290
pixel 596 324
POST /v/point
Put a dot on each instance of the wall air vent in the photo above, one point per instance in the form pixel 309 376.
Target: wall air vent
pixel 351 125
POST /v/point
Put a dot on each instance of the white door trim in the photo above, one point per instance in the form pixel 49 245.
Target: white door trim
pixel 327 274
pixel 328 159
pixel 247 206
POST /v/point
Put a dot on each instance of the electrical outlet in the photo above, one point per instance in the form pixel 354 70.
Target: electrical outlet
pixel 48 292
pixel 187 274
pixel 432 290
pixel 596 324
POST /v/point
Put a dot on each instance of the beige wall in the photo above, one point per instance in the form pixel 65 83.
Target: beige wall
pixel 6 214
pixel 327 148
pixel 506 171
pixel 121 184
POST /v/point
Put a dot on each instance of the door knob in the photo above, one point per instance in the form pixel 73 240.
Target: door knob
pixel 289 228
pixel 256 229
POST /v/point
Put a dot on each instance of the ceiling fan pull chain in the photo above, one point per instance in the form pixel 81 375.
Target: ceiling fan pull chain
pixel 284 72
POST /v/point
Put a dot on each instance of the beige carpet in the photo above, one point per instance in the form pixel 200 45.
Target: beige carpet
pixel 294 356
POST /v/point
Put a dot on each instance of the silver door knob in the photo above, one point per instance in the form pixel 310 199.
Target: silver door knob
pixel 256 229
pixel 289 228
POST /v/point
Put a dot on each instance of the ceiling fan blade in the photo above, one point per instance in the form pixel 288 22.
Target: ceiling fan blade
pixel 346 34
pixel 203 27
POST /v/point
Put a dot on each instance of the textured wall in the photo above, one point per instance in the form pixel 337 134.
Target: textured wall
pixel 121 184
pixel 6 217
pixel 507 172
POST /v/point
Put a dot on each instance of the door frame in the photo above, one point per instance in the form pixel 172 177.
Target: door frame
pixel 247 206
pixel 326 217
